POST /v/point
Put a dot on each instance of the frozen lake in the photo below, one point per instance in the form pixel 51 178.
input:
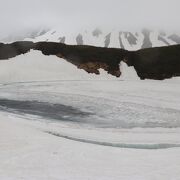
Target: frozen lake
pixel 131 114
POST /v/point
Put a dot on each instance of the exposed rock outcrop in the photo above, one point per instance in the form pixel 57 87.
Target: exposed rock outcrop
pixel 152 63
pixel 89 58
pixel 11 50
pixel 156 63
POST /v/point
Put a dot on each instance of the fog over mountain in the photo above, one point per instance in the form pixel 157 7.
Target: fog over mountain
pixel 18 15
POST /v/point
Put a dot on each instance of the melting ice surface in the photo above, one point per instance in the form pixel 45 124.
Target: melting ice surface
pixel 127 114
pixel 123 112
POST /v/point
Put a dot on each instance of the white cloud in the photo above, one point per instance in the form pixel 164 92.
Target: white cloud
pixel 19 14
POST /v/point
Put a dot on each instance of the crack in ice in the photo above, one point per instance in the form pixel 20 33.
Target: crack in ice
pixel 117 145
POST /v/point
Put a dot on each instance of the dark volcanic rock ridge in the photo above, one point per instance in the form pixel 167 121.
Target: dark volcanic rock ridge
pixel 151 63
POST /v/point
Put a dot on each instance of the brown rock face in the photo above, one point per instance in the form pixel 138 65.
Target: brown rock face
pixel 93 67
pixel 89 58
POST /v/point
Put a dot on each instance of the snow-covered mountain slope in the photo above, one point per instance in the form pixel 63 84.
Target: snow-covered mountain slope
pixel 21 35
pixel 130 40
pixel 35 66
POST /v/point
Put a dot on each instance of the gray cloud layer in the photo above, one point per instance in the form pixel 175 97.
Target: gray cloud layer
pixel 19 14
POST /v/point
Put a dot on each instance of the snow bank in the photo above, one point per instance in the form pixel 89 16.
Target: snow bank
pixel 28 153
pixel 34 66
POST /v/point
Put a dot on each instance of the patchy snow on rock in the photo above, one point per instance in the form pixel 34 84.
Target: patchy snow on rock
pixel 112 37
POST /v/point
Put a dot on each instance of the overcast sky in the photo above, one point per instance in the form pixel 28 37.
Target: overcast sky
pixel 16 15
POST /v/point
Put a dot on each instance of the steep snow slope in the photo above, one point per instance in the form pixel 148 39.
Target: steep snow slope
pixel 111 38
